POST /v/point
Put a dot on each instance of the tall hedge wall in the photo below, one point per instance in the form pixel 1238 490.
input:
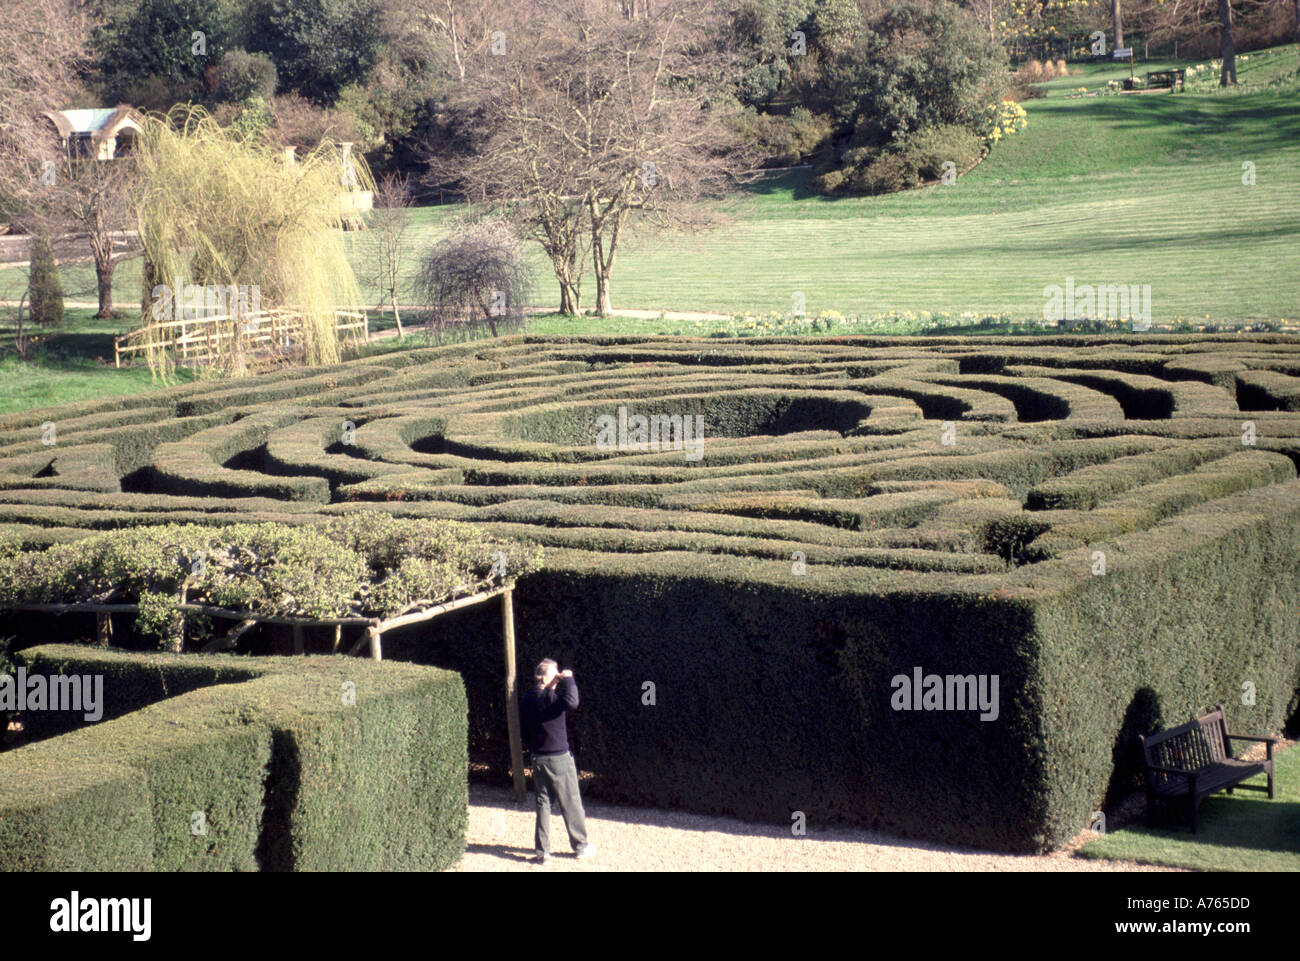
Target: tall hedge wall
pixel 772 692
pixel 948 496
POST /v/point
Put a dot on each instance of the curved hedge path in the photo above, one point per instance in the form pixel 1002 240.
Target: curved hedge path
pixel 856 509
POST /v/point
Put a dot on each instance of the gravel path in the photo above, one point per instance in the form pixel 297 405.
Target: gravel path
pixel 645 839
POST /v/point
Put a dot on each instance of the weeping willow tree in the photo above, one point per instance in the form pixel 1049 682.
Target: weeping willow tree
pixel 233 213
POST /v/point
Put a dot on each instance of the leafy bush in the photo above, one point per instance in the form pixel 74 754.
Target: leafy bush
pixel 242 76
pixel 347 566
pixel 828 182
pixel 906 162
pixel 252 117
pixel 888 173
pixel 320 46
pixel 45 288
pixel 929 149
pixel 917 66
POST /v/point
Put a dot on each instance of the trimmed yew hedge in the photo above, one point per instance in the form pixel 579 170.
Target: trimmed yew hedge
pixel 772 691
pixel 863 506
pixel 286 774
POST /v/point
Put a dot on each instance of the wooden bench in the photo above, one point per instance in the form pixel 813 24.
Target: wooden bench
pixel 1188 763
pixel 1166 78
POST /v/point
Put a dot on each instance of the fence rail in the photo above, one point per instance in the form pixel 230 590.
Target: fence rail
pixel 265 335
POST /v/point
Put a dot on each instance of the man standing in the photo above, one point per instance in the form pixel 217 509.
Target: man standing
pixel 542 713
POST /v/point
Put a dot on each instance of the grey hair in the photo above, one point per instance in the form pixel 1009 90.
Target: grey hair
pixel 540 671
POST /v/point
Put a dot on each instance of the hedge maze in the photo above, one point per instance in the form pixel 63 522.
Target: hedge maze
pixel 1107 526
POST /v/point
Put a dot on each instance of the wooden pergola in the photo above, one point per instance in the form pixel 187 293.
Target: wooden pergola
pixel 375 628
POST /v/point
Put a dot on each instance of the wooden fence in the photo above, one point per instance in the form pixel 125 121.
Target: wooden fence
pixel 265 336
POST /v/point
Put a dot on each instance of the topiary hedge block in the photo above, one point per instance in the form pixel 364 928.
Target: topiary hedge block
pixel 316 763
pixel 59 814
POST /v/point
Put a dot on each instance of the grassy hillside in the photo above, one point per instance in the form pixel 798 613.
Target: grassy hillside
pixel 1106 189
pixel 1122 189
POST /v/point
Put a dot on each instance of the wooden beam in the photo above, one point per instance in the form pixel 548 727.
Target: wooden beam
pixel 512 703
pixel 338 637
pixel 417 616
pixel 298 645
pixel 74 608
pixel 230 639
pixel 103 628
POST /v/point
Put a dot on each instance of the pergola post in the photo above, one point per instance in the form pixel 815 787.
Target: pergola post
pixel 372 635
pixel 512 703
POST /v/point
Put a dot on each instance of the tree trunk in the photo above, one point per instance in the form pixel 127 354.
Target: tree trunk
pixel 1116 19
pixel 1297 22
pixel 397 317
pixel 148 280
pixel 570 299
pixel 20 341
pixel 603 304
pixel 104 282
pixel 1228 75
pixel 602 231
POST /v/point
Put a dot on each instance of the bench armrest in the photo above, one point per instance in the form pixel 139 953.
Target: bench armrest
pixel 1268 742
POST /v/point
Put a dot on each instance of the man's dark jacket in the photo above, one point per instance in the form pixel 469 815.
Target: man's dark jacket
pixel 541 713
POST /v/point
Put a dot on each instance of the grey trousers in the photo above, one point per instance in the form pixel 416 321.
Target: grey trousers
pixel 555 777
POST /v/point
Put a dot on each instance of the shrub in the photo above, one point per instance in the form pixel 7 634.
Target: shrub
pixel 928 150
pixel 242 76
pixel 828 182
pixel 346 566
pixel 888 173
pixel 305 125
pixel 1003 119
pixel 916 66
pixel 252 118
pixel 474 280
pixel 45 288
pixel 782 140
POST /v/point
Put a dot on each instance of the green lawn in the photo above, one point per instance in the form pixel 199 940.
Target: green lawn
pixel 74 364
pixel 1105 189
pixel 1244 832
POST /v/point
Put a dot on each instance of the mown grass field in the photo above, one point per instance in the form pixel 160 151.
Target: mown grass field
pixel 1133 189
pixel 1245 832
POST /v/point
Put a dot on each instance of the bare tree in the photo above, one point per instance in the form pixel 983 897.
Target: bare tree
pixel 391 239
pixel 1228 72
pixel 598 119
pixel 42 47
pixel 1118 22
pixel 91 200
pixel 475 278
